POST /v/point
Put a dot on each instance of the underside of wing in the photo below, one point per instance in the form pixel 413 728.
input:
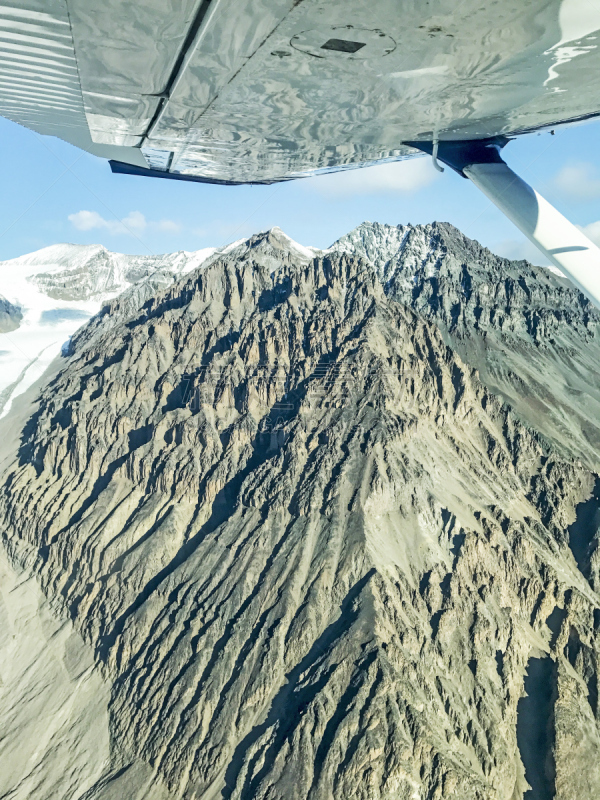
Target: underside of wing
pixel 263 90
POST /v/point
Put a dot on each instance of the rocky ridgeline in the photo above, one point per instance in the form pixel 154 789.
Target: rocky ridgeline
pixel 91 272
pixel 311 550
pixel 533 337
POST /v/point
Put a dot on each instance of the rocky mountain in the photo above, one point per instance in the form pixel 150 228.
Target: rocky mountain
pixel 531 335
pixel 60 287
pixel 303 541
pixel 10 316
pixel 91 272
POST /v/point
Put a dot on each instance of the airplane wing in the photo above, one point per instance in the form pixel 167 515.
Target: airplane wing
pixel 256 91
pixel 259 90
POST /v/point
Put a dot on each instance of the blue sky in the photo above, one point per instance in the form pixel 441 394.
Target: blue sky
pixel 53 193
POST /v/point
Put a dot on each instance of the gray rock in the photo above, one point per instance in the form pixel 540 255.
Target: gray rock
pixel 532 336
pixel 312 552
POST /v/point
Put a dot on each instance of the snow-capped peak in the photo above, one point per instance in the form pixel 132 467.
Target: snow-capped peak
pixel 61 286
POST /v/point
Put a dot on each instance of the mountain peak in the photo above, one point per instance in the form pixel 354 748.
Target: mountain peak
pixel 274 240
pixel 55 257
pixel 312 517
pixel 308 546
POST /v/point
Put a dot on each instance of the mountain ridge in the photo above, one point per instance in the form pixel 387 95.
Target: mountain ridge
pixel 505 319
pixel 312 552
pixel 61 285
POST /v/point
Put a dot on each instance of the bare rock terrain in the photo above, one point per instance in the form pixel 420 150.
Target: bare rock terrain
pixel 530 334
pixel 327 525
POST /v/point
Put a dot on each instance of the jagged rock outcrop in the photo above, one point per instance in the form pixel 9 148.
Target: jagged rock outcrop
pixel 311 551
pixel 10 316
pixel 533 337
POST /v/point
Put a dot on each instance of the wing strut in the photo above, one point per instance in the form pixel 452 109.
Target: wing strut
pixel 561 241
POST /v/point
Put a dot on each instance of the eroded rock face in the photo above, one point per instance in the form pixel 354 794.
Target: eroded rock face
pixel 312 552
pixel 533 337
pixel 10 316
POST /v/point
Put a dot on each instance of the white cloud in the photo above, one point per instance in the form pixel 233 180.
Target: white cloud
pixel 133 224
pixel 87 220
pixel 396 176
pixel 578 180
pixel 135 221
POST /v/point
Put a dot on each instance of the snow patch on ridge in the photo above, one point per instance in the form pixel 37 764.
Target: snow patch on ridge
pixel 58 289
pixel 307 252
